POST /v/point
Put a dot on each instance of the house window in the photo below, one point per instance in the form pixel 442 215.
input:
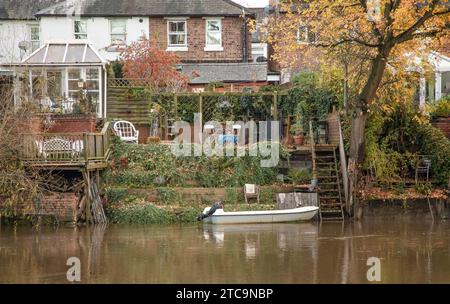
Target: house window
pixel 90 78
pixel 305 35
pixel 34 33
pixel 118 32
pixel 80 29
pixel 177 35
pixel 213 35
pixel 74 76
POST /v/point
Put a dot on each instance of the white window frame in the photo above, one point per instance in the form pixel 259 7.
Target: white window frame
pixel 177 47
pixel 111 21
pixel 34 41
pixel 79 33
pixel 84 79
pixel 306 35
pixel 213 47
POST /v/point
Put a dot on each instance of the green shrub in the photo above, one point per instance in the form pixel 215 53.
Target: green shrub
pixel 298 176
pixel 155 166
pixel 437 145
pixel 167 195
pixel 424 189
pixel 115 195
pixel 395 138
pixel 139 213
pixel 231 196
pixel 267 196
pixel 442 108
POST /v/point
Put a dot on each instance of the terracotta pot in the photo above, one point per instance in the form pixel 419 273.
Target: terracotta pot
pixel 299 140
pixel 124 162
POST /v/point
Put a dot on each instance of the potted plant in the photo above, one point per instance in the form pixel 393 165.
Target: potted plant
pixel 297 132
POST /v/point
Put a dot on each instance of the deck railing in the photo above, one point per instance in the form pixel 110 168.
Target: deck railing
pixel 66 147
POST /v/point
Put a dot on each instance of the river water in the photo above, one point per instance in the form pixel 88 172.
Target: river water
pixel 410 250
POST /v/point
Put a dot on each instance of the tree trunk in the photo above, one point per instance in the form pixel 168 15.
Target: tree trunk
pixel 357 144
pixel 346 106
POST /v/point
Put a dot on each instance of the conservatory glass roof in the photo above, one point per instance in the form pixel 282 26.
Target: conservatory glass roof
pixel 64 53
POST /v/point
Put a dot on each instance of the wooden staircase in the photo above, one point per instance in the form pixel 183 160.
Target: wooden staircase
pixel 330 188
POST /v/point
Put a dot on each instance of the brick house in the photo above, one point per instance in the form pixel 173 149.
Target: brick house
pixel 211 36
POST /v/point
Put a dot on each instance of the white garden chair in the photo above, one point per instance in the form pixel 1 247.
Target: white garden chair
pixel 126 131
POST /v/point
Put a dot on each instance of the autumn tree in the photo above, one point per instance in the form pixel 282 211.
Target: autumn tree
pixel 143 59
pixel 383 38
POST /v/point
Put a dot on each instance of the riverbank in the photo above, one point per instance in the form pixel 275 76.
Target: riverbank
pixel 182 205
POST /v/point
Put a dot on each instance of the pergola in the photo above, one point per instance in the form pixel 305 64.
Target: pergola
pixel 58 73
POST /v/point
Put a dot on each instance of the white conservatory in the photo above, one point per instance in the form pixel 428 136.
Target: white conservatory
pixel 60 75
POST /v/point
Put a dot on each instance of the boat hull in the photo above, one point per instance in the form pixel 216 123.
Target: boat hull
pixel 255 217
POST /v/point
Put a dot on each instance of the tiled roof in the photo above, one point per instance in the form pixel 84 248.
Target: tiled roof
pixel 203 73
pixel 145 8
pixel 23 9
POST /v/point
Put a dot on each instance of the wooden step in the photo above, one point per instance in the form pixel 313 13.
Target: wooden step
pixel 329 201
pixel 328 189
pixel 327 177
pixel 329 219
pixel 332 208
pixel 331 211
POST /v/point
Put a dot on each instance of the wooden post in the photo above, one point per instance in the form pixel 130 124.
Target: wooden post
pixel 200 104
pixel 313 150
pixel 85 145
pixel 175 101
pixel 88 195
pixel 275 106
pixel 343 162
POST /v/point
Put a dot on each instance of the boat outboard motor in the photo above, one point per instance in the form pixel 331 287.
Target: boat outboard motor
pixel 211 211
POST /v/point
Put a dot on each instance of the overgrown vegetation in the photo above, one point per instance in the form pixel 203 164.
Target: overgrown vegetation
pixel 308 100
pixel 154 165
pixel 441 108
pixel 397 136
pixel 18 187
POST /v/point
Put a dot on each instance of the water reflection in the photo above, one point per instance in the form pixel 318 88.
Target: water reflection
pixel 411 251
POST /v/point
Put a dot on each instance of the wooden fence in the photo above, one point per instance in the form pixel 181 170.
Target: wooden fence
pixel 66 148
pixel 129 99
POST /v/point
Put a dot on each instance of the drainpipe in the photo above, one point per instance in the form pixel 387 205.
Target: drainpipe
pixel 244 38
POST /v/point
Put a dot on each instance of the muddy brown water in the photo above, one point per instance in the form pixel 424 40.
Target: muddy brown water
pixel 410 250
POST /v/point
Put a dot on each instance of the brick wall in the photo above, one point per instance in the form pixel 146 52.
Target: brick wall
pixel 62 124
pixel 196 32
pixel 444 125
pixel 73 124
pixel 61 205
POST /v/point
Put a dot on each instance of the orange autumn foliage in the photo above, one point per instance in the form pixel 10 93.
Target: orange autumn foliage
pixel 143 59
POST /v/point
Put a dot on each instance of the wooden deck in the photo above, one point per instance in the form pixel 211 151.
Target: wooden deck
pixel 67 151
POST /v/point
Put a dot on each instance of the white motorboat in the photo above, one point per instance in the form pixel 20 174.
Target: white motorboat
pixel 252 217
